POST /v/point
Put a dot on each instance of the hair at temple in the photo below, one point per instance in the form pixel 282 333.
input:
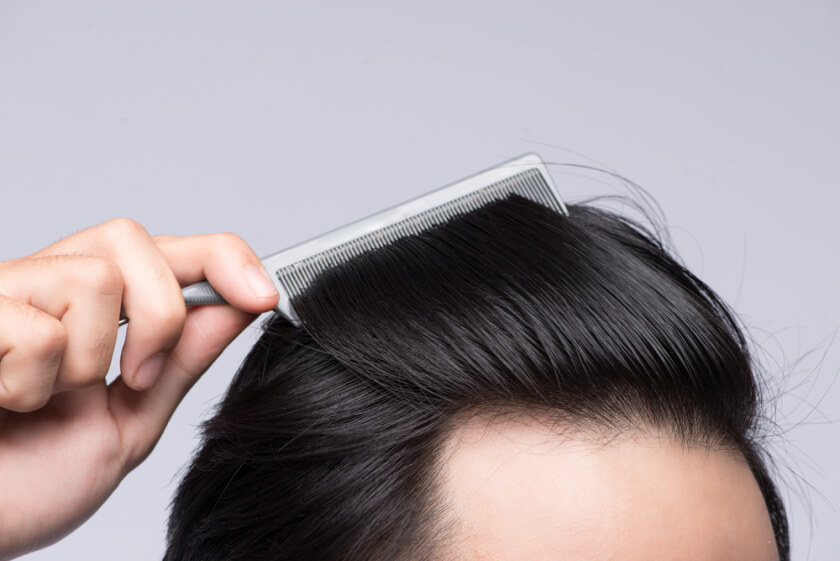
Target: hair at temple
pixel 325 445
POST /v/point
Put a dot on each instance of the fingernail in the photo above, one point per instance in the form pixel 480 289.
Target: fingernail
pixel 258 280
pixel 149 371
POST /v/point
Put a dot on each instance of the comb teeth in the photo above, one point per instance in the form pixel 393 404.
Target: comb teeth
pixel 296 267
pixel 531 184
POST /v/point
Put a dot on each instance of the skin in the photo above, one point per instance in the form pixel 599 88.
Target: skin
pixel 66 437
pixel 522 489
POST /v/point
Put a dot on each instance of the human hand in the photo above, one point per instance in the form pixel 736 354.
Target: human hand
pixel 66 437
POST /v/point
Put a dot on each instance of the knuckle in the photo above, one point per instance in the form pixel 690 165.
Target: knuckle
pixel 39 334
pixel 24 400
pixel 170 319
pixel 41 340
pixel 124 227
pixel 228 241
pixel 24 395
pixel 47 338
pixel 100 275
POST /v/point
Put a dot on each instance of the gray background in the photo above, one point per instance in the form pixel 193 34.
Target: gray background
pixel 280 120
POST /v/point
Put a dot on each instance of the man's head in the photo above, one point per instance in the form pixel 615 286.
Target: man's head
pixel 514 384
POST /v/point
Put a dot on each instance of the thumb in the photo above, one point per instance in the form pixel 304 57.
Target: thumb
pixel 142 415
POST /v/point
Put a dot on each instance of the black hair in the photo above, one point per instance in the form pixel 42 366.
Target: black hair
pixel 325 445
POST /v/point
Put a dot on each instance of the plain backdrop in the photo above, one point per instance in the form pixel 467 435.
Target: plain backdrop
pixel 281 120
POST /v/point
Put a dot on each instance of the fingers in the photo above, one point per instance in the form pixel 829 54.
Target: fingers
pixel 59 311
pixel 73 291
pixel 230 266
pixel 83 293
pixel 151 296
pixel 154 270
pixel 152 300
pixel 32 343
pixel 142 416
pixel 227 262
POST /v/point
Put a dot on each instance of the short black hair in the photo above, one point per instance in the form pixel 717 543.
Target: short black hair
pixel 324 447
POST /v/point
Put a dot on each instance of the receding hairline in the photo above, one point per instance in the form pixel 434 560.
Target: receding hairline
pixel 544 431
pixel 582 428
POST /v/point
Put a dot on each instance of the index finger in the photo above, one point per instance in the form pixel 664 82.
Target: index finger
pixel 227 263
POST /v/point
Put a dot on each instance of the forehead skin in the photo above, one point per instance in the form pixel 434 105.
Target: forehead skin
pixel 519 489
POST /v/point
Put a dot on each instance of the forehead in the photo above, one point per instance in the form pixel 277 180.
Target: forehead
pixel 521 489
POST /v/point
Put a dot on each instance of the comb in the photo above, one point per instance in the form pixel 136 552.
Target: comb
pixel 296 268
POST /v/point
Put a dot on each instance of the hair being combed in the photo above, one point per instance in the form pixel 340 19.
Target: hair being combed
pixel 324 447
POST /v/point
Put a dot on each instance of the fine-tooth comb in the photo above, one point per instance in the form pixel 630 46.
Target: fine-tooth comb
pixel 294 269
